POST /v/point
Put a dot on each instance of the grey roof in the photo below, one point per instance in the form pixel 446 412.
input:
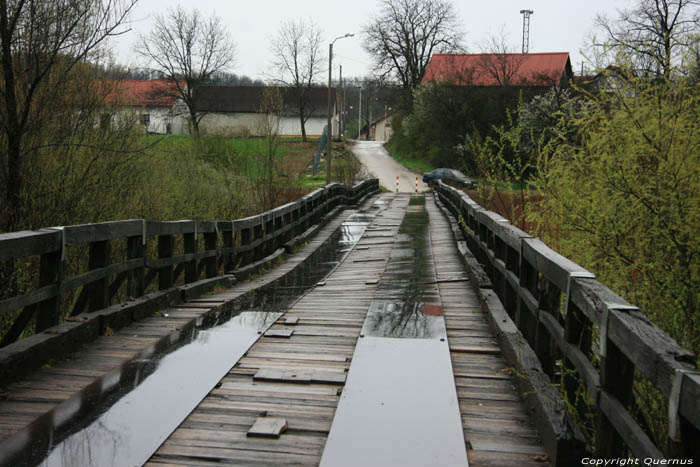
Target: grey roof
pixel 247 99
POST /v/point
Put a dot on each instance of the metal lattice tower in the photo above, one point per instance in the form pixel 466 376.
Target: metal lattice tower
pixel 526 29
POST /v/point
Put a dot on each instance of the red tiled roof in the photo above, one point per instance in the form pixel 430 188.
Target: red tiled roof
pixel 140 93
pixel 532 69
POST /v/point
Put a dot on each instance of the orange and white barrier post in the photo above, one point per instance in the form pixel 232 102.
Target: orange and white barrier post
pixel 397 183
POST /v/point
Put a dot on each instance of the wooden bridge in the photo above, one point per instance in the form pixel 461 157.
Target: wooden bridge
pixel 347 328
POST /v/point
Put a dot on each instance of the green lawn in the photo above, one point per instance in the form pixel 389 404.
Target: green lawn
pixel 245 156
pixel 412 163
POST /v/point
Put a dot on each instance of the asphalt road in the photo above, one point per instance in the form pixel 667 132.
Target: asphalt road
pixel 382 166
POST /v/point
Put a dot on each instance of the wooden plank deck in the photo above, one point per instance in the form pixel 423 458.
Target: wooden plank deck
pixel 496 424
pixel 330 318
pixel 326 324
pixel 40 392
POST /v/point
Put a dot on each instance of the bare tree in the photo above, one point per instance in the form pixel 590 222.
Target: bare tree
pixel 297 57
pixel 406 33
pixel 266 184
pixel 499 62
pixel 42 44
pixel 189 49
pixel 651 37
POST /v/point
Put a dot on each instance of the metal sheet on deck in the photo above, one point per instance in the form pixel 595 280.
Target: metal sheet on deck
pixel 399 407
pixel 134 427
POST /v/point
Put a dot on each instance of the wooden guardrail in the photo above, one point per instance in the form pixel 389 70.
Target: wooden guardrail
pixel 209 248
pixel 560 309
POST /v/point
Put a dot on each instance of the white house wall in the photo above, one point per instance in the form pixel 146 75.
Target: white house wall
pixel 158 117
pixel 248 124
pixel 383 130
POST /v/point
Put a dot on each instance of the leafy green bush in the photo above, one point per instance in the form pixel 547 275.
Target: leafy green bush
pixel 629 199
pixel 625 195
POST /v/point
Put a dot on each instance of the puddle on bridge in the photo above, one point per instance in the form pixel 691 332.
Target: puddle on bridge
pixel 132 422
pixel 407 301
pixel 399 404
pixel 134 426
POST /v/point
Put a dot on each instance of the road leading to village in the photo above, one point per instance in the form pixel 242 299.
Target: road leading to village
pixel 382 166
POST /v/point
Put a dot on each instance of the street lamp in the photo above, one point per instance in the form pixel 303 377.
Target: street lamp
pixel 329 132
pixel 359 118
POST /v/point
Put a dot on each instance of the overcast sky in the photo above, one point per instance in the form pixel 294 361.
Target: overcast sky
pixel 555 26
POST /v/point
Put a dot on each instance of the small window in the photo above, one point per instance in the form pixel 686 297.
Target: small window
pixel 145 119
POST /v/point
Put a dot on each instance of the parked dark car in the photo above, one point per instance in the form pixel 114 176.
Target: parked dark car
pixel 449 175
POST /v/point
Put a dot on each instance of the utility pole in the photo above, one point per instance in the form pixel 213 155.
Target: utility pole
pixel 369 124
pixel 341 118
pixel 359 118
pixel 329 125
pixel 526 29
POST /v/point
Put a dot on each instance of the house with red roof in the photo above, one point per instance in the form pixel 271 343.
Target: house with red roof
pixel 531 70
pixel 235 110
pixel 153 102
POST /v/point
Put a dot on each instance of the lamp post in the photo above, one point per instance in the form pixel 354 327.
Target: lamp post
pixel 359 118
pixel 329 128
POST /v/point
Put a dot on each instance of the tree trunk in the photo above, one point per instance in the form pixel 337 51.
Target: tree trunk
pixel 194 124
pixel 14 183
pixel 302 121
pixel 12 126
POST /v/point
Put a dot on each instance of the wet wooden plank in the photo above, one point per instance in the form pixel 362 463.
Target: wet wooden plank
pixel 268 427
pixel 281 333
pixel 302 376
pixel 327 326
pixel 496 423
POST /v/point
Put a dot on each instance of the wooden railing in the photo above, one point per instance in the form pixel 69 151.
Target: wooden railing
pixel 584 335
pixel 195 248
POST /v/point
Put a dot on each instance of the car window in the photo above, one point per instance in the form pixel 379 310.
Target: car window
pixel 459 174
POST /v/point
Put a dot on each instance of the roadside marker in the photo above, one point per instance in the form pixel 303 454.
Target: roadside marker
pixel 416 184
pixel 397 183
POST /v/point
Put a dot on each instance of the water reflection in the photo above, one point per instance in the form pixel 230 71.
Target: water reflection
pixel 155 394
pixel 135 425
pixel 407 302
pixel 403 319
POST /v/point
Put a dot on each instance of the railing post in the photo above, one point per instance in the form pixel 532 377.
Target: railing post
pixel 510 301
pixel 98 291
pixel 246 239
pixel 48 311
pixel 548 302
pixel 616 377
pixel 228 237
pixel 279 225
pixel 524 319
pixel 289 233
pixel 683 437
pixel 258 232
pixel 577 332
pixel 210 269
pixel 166 245
pixel 135 248
pixel 295 219
pixel 268 230
pixel 190 247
